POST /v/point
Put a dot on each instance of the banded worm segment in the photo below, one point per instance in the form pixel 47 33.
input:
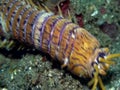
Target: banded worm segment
pixel 72 45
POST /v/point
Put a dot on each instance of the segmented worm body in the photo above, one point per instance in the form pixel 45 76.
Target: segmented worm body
pixel 72 45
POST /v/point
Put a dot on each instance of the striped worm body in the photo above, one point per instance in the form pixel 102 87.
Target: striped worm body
pixel 72 45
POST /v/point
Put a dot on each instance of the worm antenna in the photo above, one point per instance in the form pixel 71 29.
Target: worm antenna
pixel 106 61
pixel 101 83
pixel 94 81
pixel 112 56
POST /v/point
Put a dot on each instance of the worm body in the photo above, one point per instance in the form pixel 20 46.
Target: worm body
pixel 72 45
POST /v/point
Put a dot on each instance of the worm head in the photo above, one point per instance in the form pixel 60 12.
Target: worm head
pixel 104 60
pixel 100 65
